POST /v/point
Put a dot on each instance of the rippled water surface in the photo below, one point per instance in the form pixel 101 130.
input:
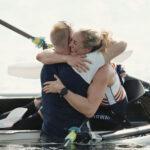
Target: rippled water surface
pixel 141 143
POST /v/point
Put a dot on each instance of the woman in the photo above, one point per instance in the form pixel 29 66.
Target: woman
pixel 86 41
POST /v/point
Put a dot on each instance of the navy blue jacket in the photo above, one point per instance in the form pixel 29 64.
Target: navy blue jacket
pixel 59 115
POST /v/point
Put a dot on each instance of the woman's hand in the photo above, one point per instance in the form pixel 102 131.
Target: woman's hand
pixel 53 86
pixel 78 62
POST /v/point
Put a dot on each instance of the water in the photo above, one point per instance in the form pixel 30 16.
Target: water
pixel 141 143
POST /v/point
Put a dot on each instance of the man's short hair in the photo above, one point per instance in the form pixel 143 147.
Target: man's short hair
pixel 59 35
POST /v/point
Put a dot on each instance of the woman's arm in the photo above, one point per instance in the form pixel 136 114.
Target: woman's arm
pixel 114 50
pixel 51 57
pixel 85 105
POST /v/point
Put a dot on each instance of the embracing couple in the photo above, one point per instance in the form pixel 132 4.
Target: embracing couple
pixel 79 82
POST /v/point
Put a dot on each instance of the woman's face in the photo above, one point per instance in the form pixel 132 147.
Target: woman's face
pixel 76 44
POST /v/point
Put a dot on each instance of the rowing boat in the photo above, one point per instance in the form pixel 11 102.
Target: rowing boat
pixel 138 113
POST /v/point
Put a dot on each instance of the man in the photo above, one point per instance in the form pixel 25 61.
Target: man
pixel 58 113
pixel 32 120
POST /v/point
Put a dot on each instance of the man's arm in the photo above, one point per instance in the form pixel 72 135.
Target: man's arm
pixel 96 91
pixel 114 50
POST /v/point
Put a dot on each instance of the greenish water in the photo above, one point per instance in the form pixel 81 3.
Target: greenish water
pixel 108 146
pixel 142 143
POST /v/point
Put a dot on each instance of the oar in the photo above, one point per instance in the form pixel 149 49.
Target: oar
pixel 71 137
pixel 14 116
pixel 39 42
pixel 97 137
pixel 73 131
pixel 32 70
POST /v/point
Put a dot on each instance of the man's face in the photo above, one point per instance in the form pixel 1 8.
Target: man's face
pixel 76 44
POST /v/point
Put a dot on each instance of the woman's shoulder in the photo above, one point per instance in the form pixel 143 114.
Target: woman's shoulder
pixel 96 57
pixel 94 54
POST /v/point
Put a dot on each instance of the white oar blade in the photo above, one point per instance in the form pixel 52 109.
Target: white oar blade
pixel 25 70
pixel 14 116
pixel 122 57
pixel 32 70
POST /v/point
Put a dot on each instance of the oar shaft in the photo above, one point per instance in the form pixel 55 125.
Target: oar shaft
pixel 16 29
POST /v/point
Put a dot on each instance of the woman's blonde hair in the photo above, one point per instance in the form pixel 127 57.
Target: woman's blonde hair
pixel 95 41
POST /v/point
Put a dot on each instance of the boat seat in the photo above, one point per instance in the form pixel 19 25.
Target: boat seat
pixel 134 90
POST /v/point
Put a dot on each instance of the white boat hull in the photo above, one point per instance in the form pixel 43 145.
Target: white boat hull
pixel 11 135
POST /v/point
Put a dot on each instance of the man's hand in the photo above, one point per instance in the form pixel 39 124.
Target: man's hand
pixel 53 86
pixel 78 62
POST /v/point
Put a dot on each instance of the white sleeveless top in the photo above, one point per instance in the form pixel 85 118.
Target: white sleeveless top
pixel 97 60
pixel 113 94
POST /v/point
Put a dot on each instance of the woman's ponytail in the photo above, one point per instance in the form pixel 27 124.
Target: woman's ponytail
pixel 105 40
